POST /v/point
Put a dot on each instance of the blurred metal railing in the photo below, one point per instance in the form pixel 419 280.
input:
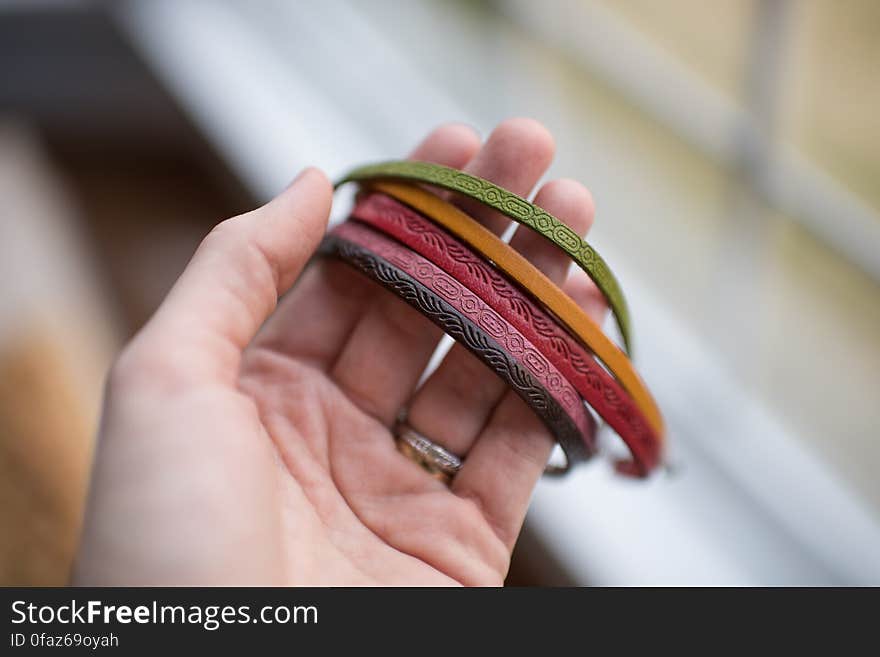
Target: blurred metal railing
pixel 673 95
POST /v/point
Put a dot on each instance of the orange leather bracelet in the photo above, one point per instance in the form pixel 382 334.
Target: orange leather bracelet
pixel 527 276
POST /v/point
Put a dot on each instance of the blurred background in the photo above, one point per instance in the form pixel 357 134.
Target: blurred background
pixel 733 149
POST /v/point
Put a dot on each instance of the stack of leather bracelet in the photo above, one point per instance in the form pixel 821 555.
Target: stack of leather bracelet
pixel 493 301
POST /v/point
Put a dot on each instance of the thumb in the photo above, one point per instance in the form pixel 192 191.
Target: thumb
pixel 233 281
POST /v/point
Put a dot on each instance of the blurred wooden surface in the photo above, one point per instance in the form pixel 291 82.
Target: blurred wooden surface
pixel 45 445
pixel 56 338
pixel 91 239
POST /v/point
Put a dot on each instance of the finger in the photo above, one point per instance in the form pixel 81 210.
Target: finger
pixel 584 292
pixel 456 401
pixel 507 459
pixel 317 318
pixel 233 282
pixel 391 343
pixel 452 144
pixel 515 156
pixel 388 352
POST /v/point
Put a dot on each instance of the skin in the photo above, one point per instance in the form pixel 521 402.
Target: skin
pixel 246 437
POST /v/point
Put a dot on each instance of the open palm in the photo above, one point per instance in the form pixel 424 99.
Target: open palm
pixel 244 443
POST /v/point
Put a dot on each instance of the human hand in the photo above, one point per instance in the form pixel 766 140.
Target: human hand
pixel 244 443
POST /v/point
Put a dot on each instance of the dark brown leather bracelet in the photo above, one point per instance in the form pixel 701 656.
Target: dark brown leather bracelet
pixel 459 293
pixel 472 337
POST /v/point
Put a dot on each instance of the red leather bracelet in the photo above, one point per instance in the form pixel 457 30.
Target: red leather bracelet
pixel 527 277
pixel 457 292
pixel 593 382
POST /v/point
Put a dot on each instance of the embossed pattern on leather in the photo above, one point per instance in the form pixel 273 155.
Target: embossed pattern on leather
pixel 592 382
pixel 457 293
pixel 517 208
pixel 475 339
pixel 532 280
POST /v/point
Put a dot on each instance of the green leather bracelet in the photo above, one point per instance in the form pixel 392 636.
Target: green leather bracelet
pixel 515 207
